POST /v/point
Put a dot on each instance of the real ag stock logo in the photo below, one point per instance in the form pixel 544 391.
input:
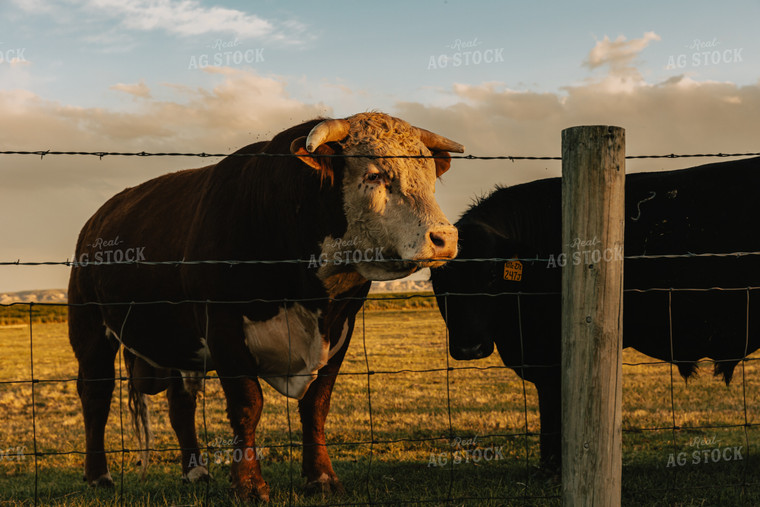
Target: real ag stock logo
pixel 704 450
pixel 463 53
pixel 226 451
pixel 106 251
pixel 586 251
pixel 703 54
pixel 17 453
pixel 11 56
pixel 466 451
pixel 226 54
pixel 345 251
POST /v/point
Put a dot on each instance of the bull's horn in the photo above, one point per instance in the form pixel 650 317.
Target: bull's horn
pixel 326 131
pixel 436 142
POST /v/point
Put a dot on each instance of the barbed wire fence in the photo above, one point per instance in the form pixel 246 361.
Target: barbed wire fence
pixel 374 443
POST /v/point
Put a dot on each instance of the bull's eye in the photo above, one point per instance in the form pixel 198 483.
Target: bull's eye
pixel 373 175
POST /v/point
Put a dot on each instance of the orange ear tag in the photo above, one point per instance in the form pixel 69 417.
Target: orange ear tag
pixel 513 271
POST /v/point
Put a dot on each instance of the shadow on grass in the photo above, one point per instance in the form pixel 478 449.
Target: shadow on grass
pixel 378 483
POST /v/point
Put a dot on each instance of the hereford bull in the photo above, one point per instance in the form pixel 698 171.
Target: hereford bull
pixel 287 323
pixel 704 209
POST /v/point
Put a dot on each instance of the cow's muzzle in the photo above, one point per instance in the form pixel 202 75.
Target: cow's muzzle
pixel 442 243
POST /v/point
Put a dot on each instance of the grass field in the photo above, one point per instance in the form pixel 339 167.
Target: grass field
pixel 423 420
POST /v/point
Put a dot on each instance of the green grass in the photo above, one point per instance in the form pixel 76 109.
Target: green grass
pixel 414 407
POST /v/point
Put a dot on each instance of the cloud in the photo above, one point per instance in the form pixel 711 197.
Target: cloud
pixel 140 89
pixel 111 41
pixel 619 53
pixel 620 57
pixel 183 18
pixel 678 115
pixel 34 6
pixel 242 108
pixel 186 17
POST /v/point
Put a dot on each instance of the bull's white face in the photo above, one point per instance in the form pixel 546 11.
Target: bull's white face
pixel 389 203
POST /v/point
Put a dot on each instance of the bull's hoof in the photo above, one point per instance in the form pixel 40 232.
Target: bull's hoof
pixel 324 485
pixel 197 474
pixel 104 481
pixel 250 492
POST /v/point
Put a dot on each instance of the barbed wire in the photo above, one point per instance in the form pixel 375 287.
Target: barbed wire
pixel 316 261
pixel 101 154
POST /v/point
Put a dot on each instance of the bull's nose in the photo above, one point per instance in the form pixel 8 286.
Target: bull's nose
pixel 444 242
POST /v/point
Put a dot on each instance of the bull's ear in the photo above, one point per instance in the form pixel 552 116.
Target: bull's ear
pixel 442 162
pixel 321 164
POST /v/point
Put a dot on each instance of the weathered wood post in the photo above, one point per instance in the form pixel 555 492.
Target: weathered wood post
pixel 593 203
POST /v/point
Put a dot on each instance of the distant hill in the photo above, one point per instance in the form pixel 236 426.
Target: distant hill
pixel 402 286
pixel 34 296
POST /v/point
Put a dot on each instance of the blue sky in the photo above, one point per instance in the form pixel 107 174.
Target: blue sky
pixel 129 75
pixel 80 48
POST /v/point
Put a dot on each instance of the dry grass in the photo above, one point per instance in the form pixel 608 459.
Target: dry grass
pixel 413 408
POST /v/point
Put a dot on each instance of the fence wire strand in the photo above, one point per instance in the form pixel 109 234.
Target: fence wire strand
pixel 101 154
pixel 312 263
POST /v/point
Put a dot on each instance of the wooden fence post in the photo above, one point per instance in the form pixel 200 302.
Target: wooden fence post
pixel 593 220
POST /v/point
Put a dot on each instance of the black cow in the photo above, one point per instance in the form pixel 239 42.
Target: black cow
pixel 288 324
pixel 705 209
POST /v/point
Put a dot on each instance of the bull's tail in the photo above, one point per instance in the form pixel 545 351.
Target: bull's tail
pixel 138 407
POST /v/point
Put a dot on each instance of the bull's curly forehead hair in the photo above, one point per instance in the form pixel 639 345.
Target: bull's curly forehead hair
pixel 384 133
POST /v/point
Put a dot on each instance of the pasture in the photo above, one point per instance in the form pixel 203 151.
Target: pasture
pixel 407 425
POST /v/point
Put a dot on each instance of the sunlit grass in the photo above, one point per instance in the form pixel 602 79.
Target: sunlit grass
pixel 390 445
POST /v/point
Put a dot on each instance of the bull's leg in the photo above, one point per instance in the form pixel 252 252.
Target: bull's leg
pixel 550 408
pixel 182 403
pixel 313 407
pixel 242 391
pixel 244 404
pixel 95 383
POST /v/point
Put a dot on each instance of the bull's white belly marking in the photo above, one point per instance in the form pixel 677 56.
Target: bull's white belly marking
pixel 288 344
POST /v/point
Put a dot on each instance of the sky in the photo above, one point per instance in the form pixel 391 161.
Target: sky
pixel 500 77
